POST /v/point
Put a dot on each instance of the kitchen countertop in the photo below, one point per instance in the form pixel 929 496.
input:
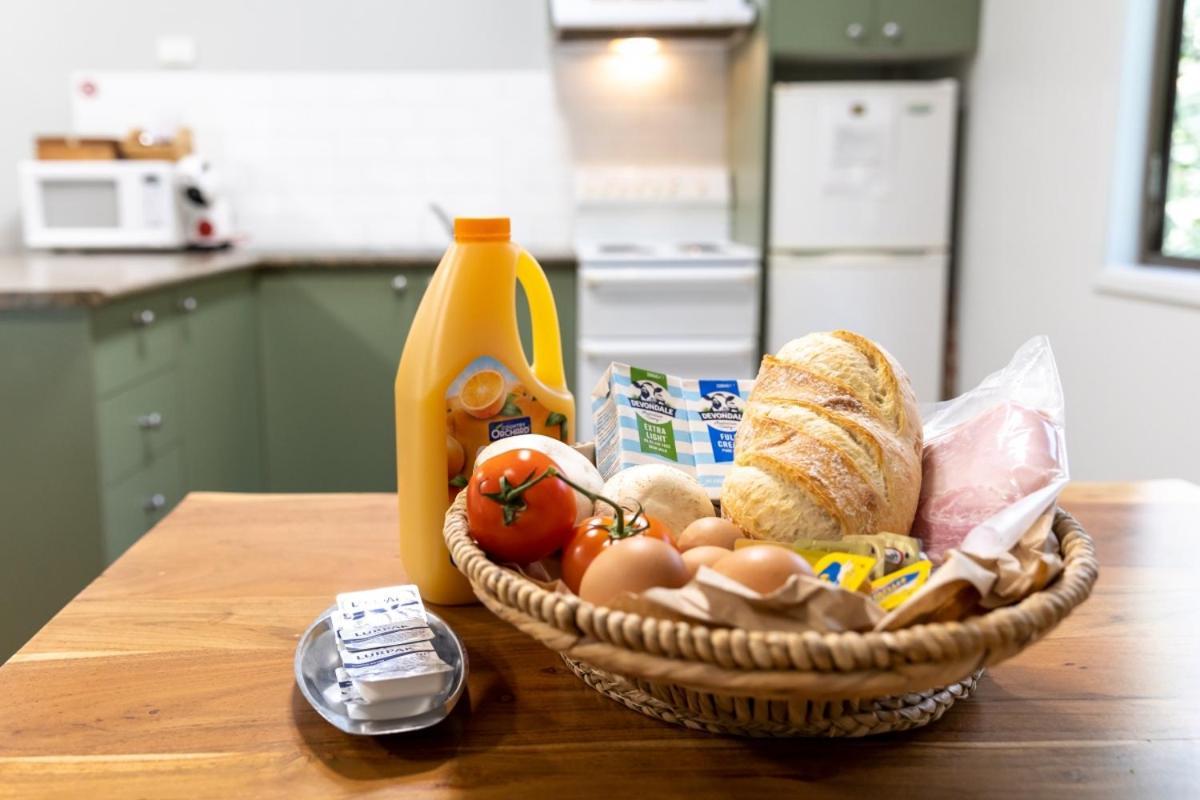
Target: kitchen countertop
pixel 171 676
pixel 33 280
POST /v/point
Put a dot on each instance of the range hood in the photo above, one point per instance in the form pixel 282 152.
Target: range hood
pixel 608 18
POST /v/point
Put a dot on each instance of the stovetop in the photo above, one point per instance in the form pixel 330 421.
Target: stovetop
pixel 665 252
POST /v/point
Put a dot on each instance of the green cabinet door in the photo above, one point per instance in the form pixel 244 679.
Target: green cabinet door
pixel 216 321
pixel 330 342
pixel 926 28
pixel 138 502
pixel 832 29
pixel 50 537
pixel 133 339
pixel 872 30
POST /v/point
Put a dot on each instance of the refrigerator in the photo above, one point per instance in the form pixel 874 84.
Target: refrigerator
pixel 860 209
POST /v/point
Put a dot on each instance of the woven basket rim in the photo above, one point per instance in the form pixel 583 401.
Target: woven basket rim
pixel 562 622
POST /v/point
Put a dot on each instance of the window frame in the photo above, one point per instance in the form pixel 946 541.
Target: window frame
pixel 1168 42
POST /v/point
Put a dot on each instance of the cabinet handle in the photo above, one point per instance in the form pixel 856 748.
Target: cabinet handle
pixel 143 318
pixel 150 422
pixel 188 304
pixel 400 283
pixel 154 502
pixel 892 31
pixel 855 31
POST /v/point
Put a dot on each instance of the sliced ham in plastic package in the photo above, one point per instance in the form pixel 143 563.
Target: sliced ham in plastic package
pixel 990 447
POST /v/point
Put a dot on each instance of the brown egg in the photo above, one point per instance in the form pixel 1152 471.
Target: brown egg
pixel 709 532
pixel 632 565
pixel 703 556
pixel 763 568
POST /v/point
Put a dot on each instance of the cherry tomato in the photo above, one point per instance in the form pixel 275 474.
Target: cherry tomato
pixel 596 533
pixel 516 509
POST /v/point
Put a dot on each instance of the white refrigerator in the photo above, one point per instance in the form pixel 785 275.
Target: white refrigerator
pixel 859 228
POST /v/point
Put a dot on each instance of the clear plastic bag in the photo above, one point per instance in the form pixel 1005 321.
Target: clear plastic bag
pixel 991 448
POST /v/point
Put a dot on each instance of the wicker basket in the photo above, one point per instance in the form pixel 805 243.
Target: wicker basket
pixel 755 683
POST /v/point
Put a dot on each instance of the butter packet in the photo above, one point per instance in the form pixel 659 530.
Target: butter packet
pixel 891 551
pixel 354 640
pixel 392 615
pixel 894 589
pixel 380 606
pixel 359 709
pixel 640 418
pixel 846 570
pixel 388 662
pixel 714 412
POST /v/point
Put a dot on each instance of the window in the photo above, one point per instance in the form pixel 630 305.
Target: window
pixel 1173 181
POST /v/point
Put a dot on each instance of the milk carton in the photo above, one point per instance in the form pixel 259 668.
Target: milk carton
pixel 714 411
pixel 640 418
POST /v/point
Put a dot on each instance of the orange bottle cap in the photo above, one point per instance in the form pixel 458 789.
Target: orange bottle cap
pixel 481 229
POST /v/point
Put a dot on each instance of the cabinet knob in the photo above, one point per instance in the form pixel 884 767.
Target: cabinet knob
pixel 150 422
pixel 400 283
pixel 154 502
pixel 188 304
pixel 855 31
pixel 892 31
pixel 143 318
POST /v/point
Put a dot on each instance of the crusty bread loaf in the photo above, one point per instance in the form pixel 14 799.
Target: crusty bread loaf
pixel 829 444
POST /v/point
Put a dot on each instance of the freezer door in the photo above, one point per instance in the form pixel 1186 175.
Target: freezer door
pixel 862 165
pixel 899 302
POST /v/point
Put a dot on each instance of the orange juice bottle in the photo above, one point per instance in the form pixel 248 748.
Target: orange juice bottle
pixel 464 382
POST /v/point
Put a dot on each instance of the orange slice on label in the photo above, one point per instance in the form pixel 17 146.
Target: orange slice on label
pixel 482 394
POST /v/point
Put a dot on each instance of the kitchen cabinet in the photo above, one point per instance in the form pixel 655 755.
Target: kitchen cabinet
pixel 177 391
pixel 50 513
pixel 872 30
pixel 111 414
pixel 330 344
pixel 217 332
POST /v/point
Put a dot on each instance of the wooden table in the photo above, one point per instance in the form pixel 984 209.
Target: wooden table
pixel 171 676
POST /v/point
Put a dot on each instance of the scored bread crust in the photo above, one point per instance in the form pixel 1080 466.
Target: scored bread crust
pixel 829 444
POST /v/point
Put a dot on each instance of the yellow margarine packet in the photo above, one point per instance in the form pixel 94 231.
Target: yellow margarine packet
pixel 846 570
pixel 894 589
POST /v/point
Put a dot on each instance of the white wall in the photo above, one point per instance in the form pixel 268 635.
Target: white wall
pixel 667 109
pixel 44 40
pixel 1040 161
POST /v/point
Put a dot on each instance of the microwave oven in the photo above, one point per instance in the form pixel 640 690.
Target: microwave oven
pixel 100 205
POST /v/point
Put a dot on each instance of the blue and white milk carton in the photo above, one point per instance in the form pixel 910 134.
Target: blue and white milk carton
pixel 714 412
pixel 640 417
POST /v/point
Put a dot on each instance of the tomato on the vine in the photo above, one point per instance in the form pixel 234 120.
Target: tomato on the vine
pixel 596 533
pixel 517 509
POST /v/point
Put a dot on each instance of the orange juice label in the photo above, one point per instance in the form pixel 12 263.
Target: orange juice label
pixel 486 403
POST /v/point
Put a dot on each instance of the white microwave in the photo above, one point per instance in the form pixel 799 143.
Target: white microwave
pixel 100 204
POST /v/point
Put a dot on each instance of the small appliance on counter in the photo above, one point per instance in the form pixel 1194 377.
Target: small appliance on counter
pixel 206 217
pixel 159 197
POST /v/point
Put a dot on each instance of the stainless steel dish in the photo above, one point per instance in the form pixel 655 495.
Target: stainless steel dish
pixel 317 658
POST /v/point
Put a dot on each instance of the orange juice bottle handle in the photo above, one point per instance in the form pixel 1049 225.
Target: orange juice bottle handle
pixel 547 363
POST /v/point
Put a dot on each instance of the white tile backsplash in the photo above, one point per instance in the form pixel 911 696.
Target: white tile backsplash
pixel 354 159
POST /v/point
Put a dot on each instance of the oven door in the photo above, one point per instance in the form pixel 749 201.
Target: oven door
pixel 679 301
